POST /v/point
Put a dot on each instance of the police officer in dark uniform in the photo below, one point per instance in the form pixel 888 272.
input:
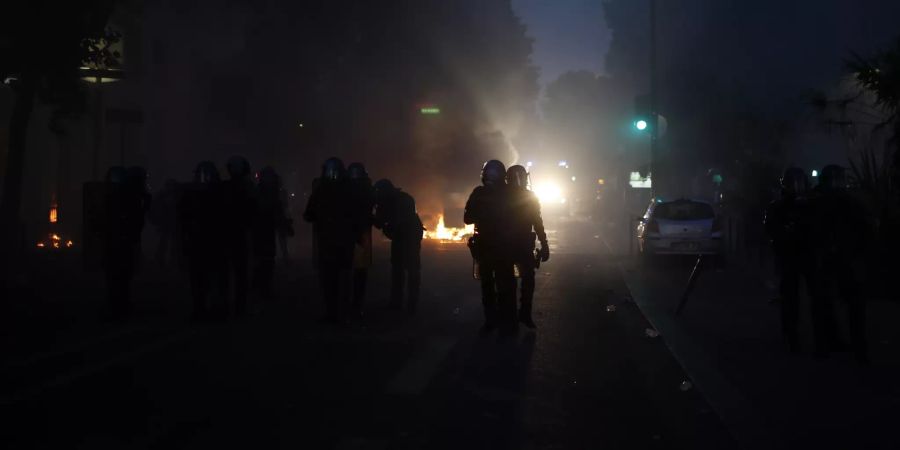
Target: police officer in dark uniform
pixel 488 207
pixel 240 199
pixel 790 223
pixel 121 231
pixel 330 210
pixel 271 219
pixel 525 224
pixel 200 216
pixel 844 232
pixel 363 205
pixel 396 216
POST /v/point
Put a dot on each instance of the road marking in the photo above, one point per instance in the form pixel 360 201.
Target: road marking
pixel 421 367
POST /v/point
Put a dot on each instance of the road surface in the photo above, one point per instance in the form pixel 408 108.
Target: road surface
pixel 589 377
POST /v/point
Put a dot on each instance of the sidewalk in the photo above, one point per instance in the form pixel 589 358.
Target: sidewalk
pixel 728 340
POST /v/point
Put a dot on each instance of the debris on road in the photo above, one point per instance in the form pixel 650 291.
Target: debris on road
pixel 650 332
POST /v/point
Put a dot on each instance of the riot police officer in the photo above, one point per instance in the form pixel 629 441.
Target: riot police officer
pixel 843 232
pixel 121 235
pixel 271 220
pixel 363 204
pixel 330 210
pixel 396 216
pixel 200 214
pixel 488 209
pixel 790 224
pixel 240 199
pixel 525 224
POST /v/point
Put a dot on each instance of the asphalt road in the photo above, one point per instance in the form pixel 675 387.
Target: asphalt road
pixel 589 377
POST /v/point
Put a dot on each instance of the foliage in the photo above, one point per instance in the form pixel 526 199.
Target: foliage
pixel 99 52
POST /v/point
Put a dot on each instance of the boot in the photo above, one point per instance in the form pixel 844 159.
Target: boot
pixel 525 317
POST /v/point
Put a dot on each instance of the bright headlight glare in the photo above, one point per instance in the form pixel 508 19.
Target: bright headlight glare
pixel 549 193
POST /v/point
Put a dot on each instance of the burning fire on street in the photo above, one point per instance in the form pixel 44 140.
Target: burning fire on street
pixel 449 234
pixel 53 240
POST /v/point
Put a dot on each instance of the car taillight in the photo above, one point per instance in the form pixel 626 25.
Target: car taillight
pixel 652 226
pixel 717 224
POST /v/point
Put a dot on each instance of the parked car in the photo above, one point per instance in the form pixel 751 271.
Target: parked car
pixel 679 227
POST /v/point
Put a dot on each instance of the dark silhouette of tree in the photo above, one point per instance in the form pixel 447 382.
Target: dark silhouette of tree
pixel 356 74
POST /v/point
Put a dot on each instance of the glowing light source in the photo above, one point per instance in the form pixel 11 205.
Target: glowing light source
pixel 563 163
pixel 641 124
pixel 601 181
pixel 53 214
pixel 637 181
pixel 528 164
pixel 549 193
pixel 573 178
pixel 815 173
pixel 430 110
pixel 449 234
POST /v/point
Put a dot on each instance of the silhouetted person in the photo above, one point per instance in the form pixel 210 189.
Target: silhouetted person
pixel 121 233
pixel 525 223
pixel 488 207
pixel 271 219
pixel 396 216
pixel 163 217
pixel 287 231
pixel 363 204
pixel 239 196
pixel 330 210
pixel 791 223
pixel 201 214
pixel 844 231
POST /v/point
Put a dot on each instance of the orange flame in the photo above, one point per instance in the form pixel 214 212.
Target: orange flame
pixel 449 234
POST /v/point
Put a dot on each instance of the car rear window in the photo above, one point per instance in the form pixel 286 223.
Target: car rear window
pixel 684 210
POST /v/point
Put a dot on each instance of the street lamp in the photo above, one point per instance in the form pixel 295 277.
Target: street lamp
pixel 98 77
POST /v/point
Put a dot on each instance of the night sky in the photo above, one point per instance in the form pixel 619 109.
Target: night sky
pixel 569 35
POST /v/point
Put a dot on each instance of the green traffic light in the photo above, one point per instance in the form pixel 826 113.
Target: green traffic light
pixel 641 124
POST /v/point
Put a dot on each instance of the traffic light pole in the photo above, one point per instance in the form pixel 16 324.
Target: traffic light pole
pixel 654 114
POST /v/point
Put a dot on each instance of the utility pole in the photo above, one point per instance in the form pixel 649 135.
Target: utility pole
pixel 654 113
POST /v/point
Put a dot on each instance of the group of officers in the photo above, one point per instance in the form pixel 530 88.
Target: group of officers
pixel 227 229
pixel 222 227
pixel 507 219
pixel 343 207
pixel 820 237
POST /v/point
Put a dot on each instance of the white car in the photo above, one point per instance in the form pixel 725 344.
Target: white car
pixel 679 227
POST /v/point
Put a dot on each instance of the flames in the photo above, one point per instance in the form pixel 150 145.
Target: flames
pixel 449 234
pixel 54 241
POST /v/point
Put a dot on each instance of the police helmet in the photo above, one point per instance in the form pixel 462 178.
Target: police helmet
pixel 517 176
pixel 357 171
pixel 493 172
pixel 237 167
pixel 116 175
pixel 833 178
pixel 383 186
pixel 794 181
pixel 206 172
pixel 333 169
